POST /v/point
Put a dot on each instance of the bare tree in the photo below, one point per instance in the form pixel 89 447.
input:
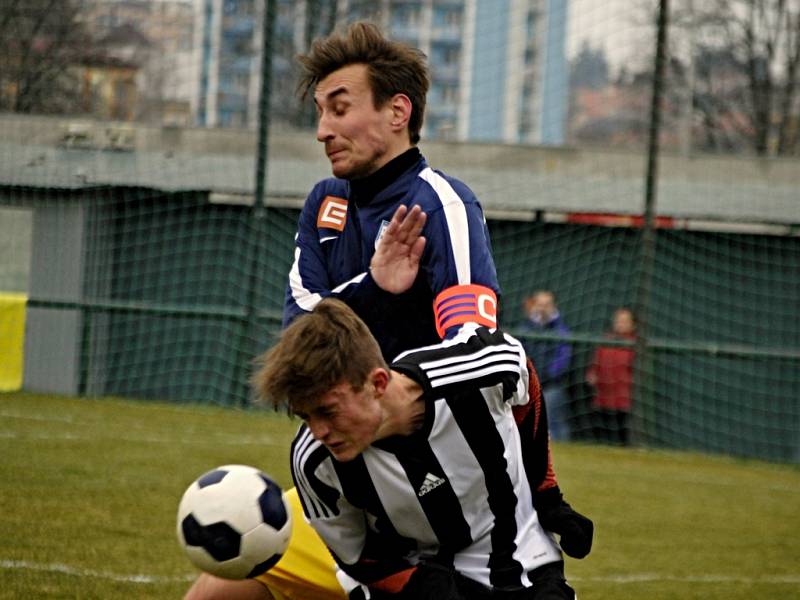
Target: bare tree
pixel 788 107
pixel 40 42
pixel 757 90
pixel 719 87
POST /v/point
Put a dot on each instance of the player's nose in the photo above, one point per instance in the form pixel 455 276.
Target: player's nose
pixel 324 129
pixel 319 428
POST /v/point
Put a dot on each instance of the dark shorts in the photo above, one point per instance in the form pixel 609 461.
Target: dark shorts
pixel 548 584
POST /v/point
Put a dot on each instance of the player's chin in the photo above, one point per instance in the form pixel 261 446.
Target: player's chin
pixel 343 452
pixel 341 168
pixel 348 166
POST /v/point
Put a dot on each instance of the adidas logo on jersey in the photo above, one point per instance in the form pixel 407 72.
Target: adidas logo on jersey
pixel 431 483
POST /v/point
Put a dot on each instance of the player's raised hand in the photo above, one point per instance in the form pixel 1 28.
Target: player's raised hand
pixel 395 264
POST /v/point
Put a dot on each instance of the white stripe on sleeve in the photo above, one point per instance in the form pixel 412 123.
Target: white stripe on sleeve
pixel 457 226
pixel 305 298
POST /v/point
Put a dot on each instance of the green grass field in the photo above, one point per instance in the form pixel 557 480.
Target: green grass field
pixel 90 489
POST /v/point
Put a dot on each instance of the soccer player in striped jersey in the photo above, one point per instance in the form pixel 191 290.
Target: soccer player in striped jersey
pixel 413 475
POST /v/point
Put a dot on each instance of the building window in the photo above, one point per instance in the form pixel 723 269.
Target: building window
pixel 242 8
pixel 447 17
pixel 449 94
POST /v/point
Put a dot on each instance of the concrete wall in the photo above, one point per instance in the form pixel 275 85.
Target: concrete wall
pixel 514 181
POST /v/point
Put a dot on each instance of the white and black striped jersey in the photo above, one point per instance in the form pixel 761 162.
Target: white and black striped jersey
pixel 455 491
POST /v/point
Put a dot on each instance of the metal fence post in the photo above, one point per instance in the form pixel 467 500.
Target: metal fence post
pixel 256 218
pixel 648 241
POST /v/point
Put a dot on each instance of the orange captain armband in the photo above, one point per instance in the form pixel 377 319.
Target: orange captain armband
pixel 461 304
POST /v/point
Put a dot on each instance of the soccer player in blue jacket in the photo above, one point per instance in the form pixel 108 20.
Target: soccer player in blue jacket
pixel 370 97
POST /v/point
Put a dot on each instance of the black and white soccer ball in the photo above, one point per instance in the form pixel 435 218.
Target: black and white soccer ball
pixel 233 522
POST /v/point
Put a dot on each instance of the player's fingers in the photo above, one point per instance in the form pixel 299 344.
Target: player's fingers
pixel 390 235
pixel 415 219
pixel 402 231
pixel 399 215
pixel 416 250
pixel 412 224
pixel 420 223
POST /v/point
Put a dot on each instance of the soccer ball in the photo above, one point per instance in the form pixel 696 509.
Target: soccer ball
pixel 233 522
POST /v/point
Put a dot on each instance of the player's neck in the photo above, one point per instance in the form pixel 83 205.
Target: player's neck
pixel 404 409
pixel 365 189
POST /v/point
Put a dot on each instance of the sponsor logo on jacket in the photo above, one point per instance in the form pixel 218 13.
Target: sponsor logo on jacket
pixel 332 213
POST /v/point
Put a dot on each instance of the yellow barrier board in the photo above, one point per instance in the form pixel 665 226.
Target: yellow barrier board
pixel 12 340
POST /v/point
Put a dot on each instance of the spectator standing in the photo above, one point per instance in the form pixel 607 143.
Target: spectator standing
pixel 551 358
pixel 611 376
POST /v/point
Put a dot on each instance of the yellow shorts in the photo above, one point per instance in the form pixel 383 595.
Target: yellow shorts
pixel 307 570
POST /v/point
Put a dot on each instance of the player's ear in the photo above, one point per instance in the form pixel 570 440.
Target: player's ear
pixel 401 111
pixel 379 378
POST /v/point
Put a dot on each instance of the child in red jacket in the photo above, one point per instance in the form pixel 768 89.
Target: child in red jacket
pixel 611 375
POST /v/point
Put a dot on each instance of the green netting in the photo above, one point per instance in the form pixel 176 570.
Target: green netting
pixel 722 365
pixel 180 295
